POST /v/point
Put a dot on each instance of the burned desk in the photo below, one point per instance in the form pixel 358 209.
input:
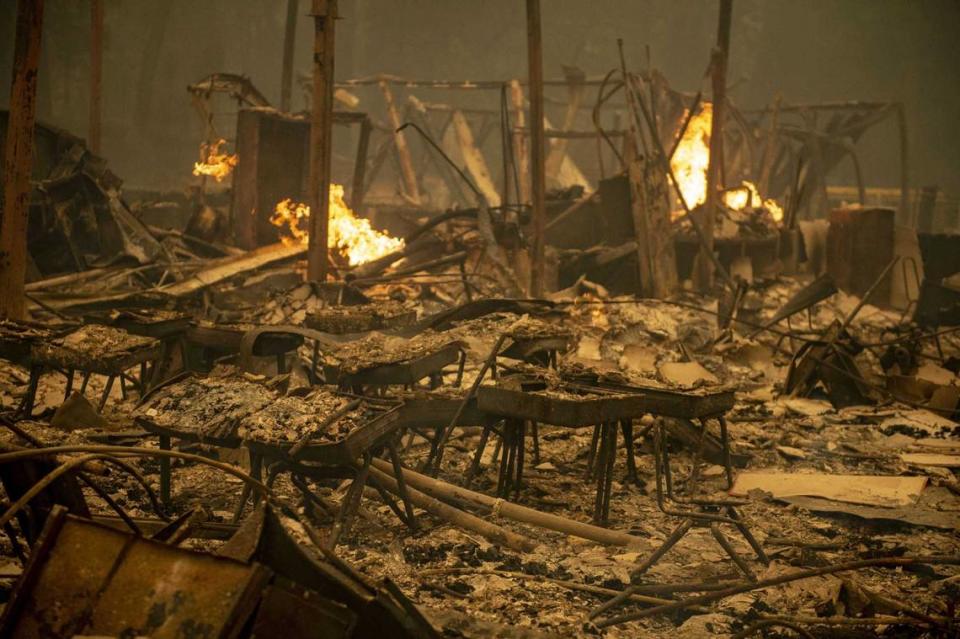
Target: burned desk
pixel 204 410
pixel 219 340
pixel 379 361
pixel 92 350
pixel 525 400
pixel 170 327
pixel 326 436
pixel 360 318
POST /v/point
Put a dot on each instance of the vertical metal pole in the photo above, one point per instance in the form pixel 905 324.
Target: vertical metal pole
pixel 537 174
pixel 321 129
pixel 289 38
pixel 96 73
pixel 715 168
pixel 18 159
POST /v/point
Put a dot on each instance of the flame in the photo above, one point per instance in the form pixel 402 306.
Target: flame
pixel 746 196
pixel 352 236
pixel 689 164
pixel 214 163
pixel 690 160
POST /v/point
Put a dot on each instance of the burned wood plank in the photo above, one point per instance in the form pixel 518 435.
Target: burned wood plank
pixel 229 267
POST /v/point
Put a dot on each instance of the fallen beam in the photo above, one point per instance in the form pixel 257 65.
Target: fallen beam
pixel 229 267
pixel 456 516
pixel 437 488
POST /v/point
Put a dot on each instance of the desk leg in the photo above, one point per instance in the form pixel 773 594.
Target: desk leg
pixel 106 393
pixel 26 404
pixel 627 427
pixel 350 504
pixel 725 442
pixel 165 472
pixel 69 387
pixel 478 454
pixel 535 435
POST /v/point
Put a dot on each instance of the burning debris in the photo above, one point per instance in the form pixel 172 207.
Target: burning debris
pixel 213 163
pixel 353 237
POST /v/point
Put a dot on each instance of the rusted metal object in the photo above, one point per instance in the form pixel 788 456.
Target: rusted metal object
pixel 859 247
pixel 87 579
pixel 381 611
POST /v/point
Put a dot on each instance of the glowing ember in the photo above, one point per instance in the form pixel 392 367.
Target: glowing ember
pixel 352 236
pixel 689 162
pixel 746 196
pixel 214 163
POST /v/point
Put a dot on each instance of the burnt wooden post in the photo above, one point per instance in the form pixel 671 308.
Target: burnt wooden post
pixel 18 159
pixel 408 174
pixel 537 174
pixel 715 168
pixel 96 73
pixel 289 38
pixel 321 129
pixel 520 141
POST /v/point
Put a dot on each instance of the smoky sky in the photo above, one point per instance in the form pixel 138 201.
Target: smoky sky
pixel 810 51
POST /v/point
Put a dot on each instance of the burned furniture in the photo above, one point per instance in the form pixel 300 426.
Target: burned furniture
pixel 210 341
pixel 199 409
pixel 378 361
pixel 322 436
pixel 523 400
pixel 92 350
pixel 536 342
pixel 359 318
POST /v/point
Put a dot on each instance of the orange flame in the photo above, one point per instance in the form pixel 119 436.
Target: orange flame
pixel 214 163
pixel 352 236
pixel 690 160
pixel 689 165
pixel 746 196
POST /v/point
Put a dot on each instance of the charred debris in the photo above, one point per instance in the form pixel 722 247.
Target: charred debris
pixel 536 378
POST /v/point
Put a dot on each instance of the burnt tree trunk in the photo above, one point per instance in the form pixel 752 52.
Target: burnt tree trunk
pixel 18 159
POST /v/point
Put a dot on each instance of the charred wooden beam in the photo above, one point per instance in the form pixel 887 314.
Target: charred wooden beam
pixel 18 158
pixel 321 128
pixel 538 170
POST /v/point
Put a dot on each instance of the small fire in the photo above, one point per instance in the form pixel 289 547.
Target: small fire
pixel 746 196
pixel 689 165
pixel 214 163
pixel 690 160
pixel 351 235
